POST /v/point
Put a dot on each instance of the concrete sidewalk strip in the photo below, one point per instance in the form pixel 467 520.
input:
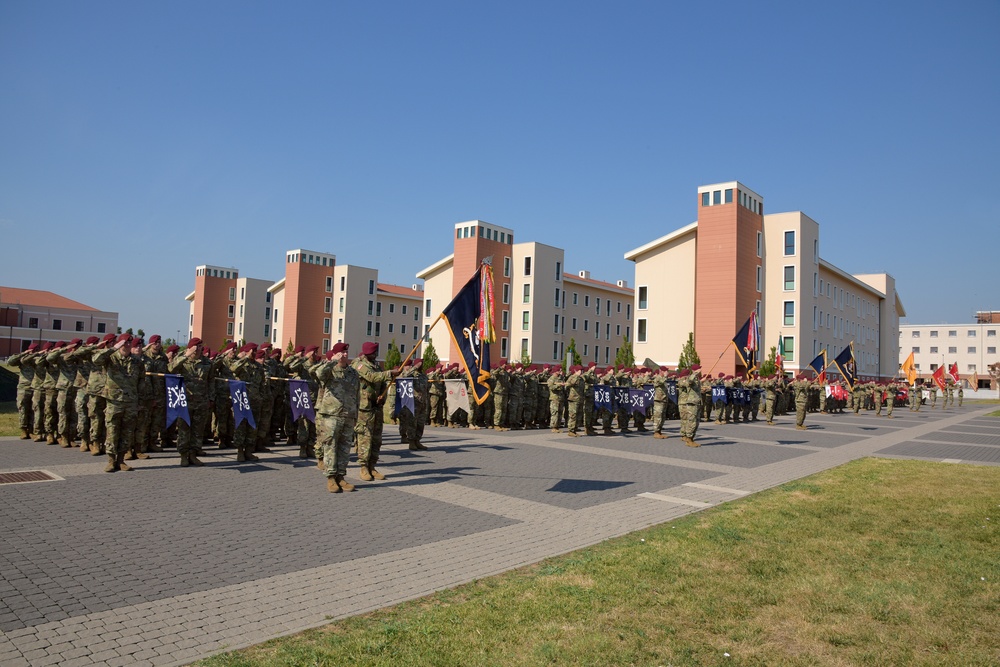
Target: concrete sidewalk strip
pixel 477 503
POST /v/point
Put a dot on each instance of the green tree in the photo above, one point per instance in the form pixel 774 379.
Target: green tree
pixel 689 356
pixel 290 347
pixel 770 365
pixel 129 331
pixel 577 359
pixel 625 356
pixel 140 333
pixel 430 356
pixel 392 355
pixel 525 358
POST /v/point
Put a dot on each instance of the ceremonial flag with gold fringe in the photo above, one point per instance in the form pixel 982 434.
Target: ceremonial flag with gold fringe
pixel 910 369
pixel 938 376
pixel 974 381
pixel 847 366
pixel 953 372
pixel 747 340
pixel 819 365
pixel 469 317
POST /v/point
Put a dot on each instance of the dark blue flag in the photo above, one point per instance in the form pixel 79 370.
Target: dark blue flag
pixel 467 322
pixel 621 396
pixel 848 368
pixel 177 404
pixel 671 389
pixel 404 396
pixel 719 393
pixel 637 400
pixel 602 398
pixel 300 401
pixel 241 403
pixel 650 393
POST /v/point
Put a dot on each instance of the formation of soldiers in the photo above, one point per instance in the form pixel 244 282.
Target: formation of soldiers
pixel 109 395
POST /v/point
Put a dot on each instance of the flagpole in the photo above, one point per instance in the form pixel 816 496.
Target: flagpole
pixel 414 349
pixel 720 358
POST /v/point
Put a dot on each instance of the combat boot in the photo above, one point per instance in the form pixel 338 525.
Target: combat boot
pixel 303 452
pixel 95 449
pixel 659 436
pixel 130 455
pixel 555 430
pixel 122 465
pixel 112 464
pixel 50 439
pixel 64 442
pixel 184 461
pixel 364 474
pixel 375 473
pixel 417 447
pixel 241 455
pixel 40 437
pixel 332 486
pixel 343 483
pixel 84 446
pixel 194 460
pixel 25 435
pixel 321 464
pixel 142 455
pixel 690 442
pixel 153 447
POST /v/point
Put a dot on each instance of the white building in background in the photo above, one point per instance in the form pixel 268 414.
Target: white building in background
pixel 972 346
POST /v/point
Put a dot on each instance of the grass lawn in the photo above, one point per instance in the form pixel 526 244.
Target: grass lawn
pixel 8 419
pixel 878 562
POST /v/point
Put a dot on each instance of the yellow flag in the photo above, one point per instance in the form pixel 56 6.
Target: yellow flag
pixel 910 369
pixel 974 381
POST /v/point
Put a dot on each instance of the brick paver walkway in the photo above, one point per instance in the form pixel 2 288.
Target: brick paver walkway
pixel 163 566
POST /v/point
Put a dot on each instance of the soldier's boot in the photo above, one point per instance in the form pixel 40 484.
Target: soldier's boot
pixel 85 445
pixel 154 447
pixel 801 427
pixel 343 483
pixel 40 437
pixel 248 453
pixel 573 434
pixel 417 446
pixel 193 460
pixel 690 442
pixel 659 436
pixel 141 455
pixel 625 430
pixel 50 439
pixel 555 430
pixel 121 462
pixel 95 449
pixel 375 473
pixel 241 456
pixel 641 428
pixel 64 442
pixel 185 462
pixel 303 452
pixel 321 464
pixel 25 435
pixel 112 464
pixel 364 474
pixel 332 486
pixel 130 455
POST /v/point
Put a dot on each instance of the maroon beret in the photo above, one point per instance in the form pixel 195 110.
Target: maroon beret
pixel 311 349
pixel 276 353
pixel 155 338
pixel 93 340
pixel 76 341
pixel 369 348
pixel 137 342
pixel 108 338
pixel 299 348
pixel 46 346
pixel 229 346
pixel 173 348
pixel 59 345
pixel 340 347
pixel 266 346
pixel 124 338
pixel 695 367
pixel 194 342
pixel 32 347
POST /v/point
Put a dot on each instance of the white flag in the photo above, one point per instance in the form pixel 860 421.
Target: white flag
pixel 457 396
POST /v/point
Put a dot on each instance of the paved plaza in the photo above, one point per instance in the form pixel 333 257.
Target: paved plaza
pixel 163 565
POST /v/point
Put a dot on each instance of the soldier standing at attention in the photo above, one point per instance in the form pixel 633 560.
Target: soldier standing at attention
pixel 421 406
pixel 933 390
pixel 338 412
pixel 689 402
pixel 374 386
pixel 961 394
pixel 24 362
pixel 38 392
pixel 557 397
pixel 575 390
pixel 96 404
pixel 121 393
pixel 198 374
pixel 500 393
pixel 801 389
pixel 891 390
pixel 246 368
pixel 590 380
pixel 915 396
pixel 660 402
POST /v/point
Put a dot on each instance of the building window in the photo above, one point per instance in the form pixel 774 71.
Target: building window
pixel 506 267
pixel 371 287
pixel 729 196
pixel 586 301
pixel 427 305
pixel 504 320
pixel 340 325
pixel 404 309
pixel 789 348
pixel 526 297
pixel 586 349
pixel 607 331
pixel 371 308
pixel 326 325
pixel 952 350
pixel 789 313
pixel 934 367
pixel 991 333
pixel 79 325
pixel 267 297
pixel 343 283
pixel 503 348
pixel 267 331
pixel 971 333
pixel 934 350
pixel 378 329
pixel 576 298
pixel 952 334
pixel 789 243
pixel 229 329
pixel 101 326
pixel 329 283
pixel 555 350
pixel 586 325
pixel 716 197
pixel 525 319
pixel 641 332
pixel 506 293
pixel 378 309
pixel 527 266
pixel 643 297
pixel 390 327
pixel 327 305
pixel 558 271
pixel 758 278
pixel 704 199
pixel 340 305
pixel 760 243
pixel 789 277
pixel 991 350
pixel 628 311
pixel 267 313
pixel 916 350
pixel 557 297
pixel 557 324
pixel 416 314
pixel 916 334
pixel 972 350
pixel 57 324
pixel 232 294
pixel 934 334
pixel 573 324
pixel 402 329
pixel 232 311
pixel 368 329
pixel 326 341
pixel 524 347
pixel 618 330
pixel 392 307
pixel 241 312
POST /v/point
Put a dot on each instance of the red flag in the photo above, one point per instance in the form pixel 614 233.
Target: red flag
pixel 939 377
pixel 953 372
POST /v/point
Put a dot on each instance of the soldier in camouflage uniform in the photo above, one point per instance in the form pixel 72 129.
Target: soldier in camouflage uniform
pixel 621 378
pixel 337 413
pixel 96 403
pixel 892 390
pixel 222 404
pixel 25 363
pixel 660 400
pixel 435 379
pixel 689 401
pixel 421 405
pixel 501 392
pixel 65 392
pixel 590 381
pixel 121 393
pixel 50 392
pixel 301 367
pixel 575 395
pixel 801 388
pixel 933 390
pixel 374 386
pixel 38 392
pixel 557 397
pixel 246 368
pixel 199 376
pixel 279 395
pixel 84 366
pixel 267 389
pixel 948 400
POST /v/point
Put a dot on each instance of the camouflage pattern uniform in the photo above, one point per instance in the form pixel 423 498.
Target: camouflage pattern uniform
pixel 84 366
pixel 501 391
pixel 199 378
pixel 801 388
pixel 660 403
pixel 96 406
pixel 576 391
pixel 38 395
pixel 121 394
pixel 374 387
pixel 689 401
pixel 557 397
pixel 589 380
pixel 25 363
pixel 247 369
pixel 338 413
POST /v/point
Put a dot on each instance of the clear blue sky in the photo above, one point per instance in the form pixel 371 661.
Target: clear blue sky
pixel 139 140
